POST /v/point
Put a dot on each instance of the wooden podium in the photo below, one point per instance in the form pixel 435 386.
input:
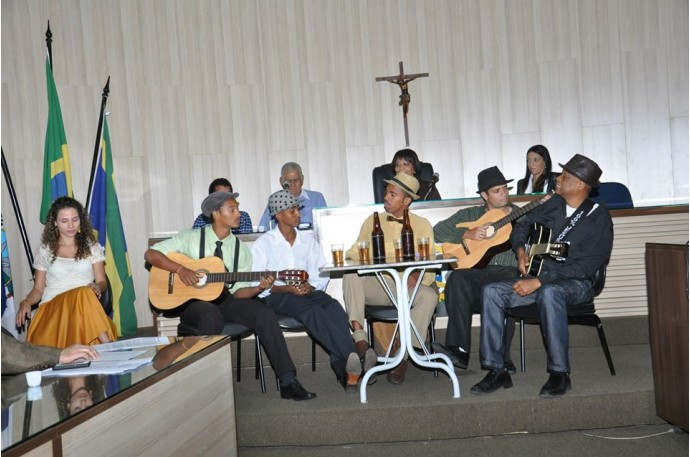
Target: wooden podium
pixel 667 297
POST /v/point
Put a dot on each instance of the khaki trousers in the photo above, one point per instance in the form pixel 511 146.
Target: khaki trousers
pixel 358 290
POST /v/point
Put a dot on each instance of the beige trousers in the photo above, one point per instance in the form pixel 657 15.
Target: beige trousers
pixel 358 290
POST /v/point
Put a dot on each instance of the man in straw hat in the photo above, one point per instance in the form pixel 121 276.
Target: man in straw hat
pixel 463 290
pixel 401 191
pixel 285 247
pixel 205 318
pixel 587 227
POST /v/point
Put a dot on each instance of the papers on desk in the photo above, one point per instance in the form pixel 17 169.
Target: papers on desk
pixel 113 356
pixel 132 343
pixel 99 367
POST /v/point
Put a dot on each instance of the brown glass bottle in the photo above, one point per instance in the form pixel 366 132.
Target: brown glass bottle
pixel 407 238
pixel 378 246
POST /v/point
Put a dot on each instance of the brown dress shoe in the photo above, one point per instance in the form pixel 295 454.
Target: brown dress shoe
pixel 397 375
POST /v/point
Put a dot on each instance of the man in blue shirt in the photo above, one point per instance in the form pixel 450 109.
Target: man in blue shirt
pixel 217 185
pixel 292 179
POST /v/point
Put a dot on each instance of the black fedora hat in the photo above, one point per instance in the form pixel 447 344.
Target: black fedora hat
pixel 489 178
pixel 583 168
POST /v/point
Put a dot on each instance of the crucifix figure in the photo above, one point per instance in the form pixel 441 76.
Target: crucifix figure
pixel 401 80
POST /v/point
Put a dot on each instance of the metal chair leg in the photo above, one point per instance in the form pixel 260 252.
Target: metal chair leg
pixel 239 358
pixel 522 346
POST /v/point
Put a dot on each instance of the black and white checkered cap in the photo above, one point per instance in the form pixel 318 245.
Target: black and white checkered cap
pixel 280 201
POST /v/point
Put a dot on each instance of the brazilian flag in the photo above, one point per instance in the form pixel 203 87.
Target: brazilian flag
pixel 57 174
pixel 104 210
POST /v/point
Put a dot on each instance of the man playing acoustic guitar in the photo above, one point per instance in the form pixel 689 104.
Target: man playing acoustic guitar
pixel 464 285
pixel 572 218
pixel 237 305
pixel 322 315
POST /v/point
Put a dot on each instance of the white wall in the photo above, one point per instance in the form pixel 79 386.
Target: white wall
pixel 209 88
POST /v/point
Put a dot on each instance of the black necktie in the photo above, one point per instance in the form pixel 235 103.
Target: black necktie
pixel 218 252
pixel 393 219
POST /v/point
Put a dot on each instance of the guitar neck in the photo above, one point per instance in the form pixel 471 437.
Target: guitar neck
pixel 244 276
pixel 517 213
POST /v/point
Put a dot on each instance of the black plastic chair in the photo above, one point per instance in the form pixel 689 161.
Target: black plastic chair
pixel 613 194
pixel 584 314
pixel 386 171
pixel 390 314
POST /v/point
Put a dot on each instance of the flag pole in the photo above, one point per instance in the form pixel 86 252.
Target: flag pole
pixel 99 132
pixel 49 43
pixel 18 213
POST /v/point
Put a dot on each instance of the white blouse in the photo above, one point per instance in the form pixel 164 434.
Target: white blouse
pixel 66 274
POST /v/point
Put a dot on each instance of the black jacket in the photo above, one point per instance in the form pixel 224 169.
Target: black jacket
pixel 591 240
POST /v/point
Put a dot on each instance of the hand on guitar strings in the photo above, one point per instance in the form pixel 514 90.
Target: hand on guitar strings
pixel 476 234
pixel 187 276
pixel 526 286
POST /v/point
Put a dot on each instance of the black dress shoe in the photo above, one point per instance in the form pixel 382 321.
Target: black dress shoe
pixel 295 391
pixel 492 382
pixel 557 385
pixel 458 358
pixel 510 366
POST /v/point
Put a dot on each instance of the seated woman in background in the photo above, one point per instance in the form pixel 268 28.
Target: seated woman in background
pixel 69 280
pixel 224 185
pixel 538 175
pixel 406 160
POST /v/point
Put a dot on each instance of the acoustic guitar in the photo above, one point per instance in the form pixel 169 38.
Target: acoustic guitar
pixel 539 246
pixel 471 252
pixel 167 291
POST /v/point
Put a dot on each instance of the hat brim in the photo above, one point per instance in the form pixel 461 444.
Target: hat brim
pixel 228 197
pixel 497 184
pixel 401 185
pixel 572 171
pixel 271 213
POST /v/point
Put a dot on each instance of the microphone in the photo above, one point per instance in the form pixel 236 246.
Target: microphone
pixel 434 180
pixel 286 185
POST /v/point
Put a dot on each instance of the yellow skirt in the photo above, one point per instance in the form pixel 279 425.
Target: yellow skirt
pixel 73 317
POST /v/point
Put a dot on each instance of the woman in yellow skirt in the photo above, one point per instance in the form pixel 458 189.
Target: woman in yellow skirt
pixel 69 280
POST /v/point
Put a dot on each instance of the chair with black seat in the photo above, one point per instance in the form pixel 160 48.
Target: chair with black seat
pixel 583 314
pixel 386 171
pixel 290 325
pixel 106 299
pixel 390 314
pixel 613 194
pixel 237 332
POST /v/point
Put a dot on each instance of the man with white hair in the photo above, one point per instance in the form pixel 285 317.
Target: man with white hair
pixel 292 180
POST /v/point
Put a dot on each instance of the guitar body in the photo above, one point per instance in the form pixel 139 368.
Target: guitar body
pixel 166 291
pixel 478 249
pixel 539 246
pixel 538 234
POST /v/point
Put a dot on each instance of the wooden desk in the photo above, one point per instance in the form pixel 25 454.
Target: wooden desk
pixel 184 409
pixel 667 287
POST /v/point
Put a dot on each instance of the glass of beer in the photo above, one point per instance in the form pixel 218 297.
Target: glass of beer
pixel 337 251
pixel 423 247
pixel 397 244
pixel 364 249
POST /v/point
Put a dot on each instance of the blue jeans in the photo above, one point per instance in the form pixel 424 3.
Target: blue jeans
pixel 552 300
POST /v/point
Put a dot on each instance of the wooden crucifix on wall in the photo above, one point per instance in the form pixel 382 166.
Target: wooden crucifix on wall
pixel 401 80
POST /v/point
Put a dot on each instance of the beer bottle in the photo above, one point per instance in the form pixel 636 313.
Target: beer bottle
pixel 407 238
pixel 378 246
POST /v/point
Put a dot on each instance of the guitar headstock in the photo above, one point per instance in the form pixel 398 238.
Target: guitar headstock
pixel 293 276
